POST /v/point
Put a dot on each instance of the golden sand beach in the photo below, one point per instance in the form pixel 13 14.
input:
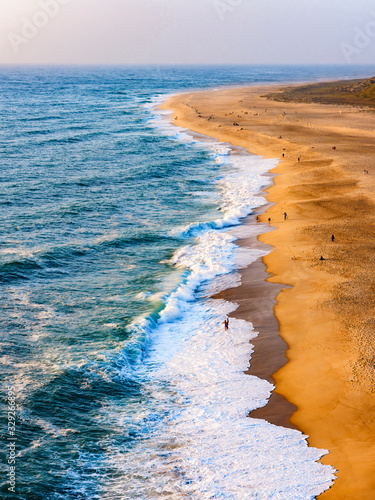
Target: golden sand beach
pixel 324 308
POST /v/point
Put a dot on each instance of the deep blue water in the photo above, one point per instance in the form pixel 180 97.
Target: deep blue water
pixel 93 195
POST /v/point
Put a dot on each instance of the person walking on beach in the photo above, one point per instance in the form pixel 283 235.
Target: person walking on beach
pixel 285 216
pixel 226 323
pixel 333 238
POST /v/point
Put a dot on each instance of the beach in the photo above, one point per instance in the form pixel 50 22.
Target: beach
pixel 120 231
pixel 323 285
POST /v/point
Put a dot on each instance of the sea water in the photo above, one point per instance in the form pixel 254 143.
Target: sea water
pixel 116 229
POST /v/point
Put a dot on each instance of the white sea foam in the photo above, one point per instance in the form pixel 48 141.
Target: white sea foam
pixel 211 449
pixel 208 447
pixel 225 454
pixel 210 257
pixel 241 178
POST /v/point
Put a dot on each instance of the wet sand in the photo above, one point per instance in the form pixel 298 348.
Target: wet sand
pixel 323 308
pixel 256 298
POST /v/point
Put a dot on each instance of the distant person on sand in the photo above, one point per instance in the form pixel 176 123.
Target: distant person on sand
pixel 333 237
pixel 226 324
pixel 269 219
pixel 285 216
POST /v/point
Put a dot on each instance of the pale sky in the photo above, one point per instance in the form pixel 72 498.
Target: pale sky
pixel 187 31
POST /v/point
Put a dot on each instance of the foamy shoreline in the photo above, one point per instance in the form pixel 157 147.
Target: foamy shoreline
pixel 270 345
pixel 318 349
pixel 221 380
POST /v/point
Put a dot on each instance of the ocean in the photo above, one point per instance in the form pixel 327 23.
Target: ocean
pixel 117 227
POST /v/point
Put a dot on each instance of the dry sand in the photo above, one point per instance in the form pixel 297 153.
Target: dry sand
pixel 326 316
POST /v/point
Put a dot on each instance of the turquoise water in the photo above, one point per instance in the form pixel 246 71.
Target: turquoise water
pixel 114 227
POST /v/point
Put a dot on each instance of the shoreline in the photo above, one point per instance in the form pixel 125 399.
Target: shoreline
pixel 329 377
pixel 258 309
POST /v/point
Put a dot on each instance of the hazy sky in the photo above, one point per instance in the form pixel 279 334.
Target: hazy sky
pixel 187 31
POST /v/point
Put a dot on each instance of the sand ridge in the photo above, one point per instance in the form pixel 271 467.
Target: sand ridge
pixel 326 316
